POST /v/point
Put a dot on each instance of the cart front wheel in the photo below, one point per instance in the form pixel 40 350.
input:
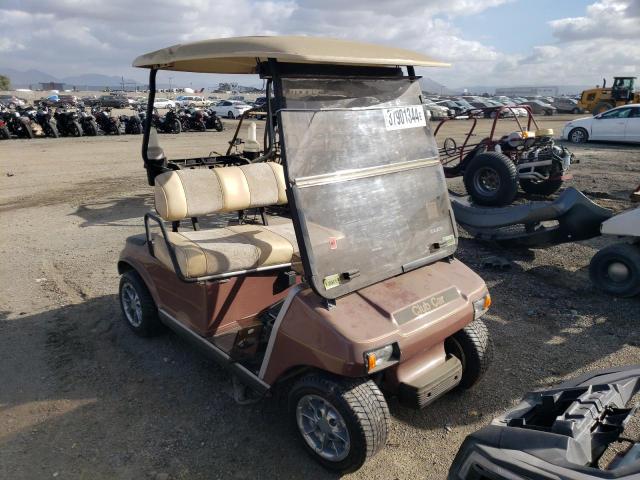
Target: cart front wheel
pixel 616 270
pixel 491 179
pixel 473 347
pixel 342 422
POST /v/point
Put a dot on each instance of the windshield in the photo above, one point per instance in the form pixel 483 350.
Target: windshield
pixel 369 193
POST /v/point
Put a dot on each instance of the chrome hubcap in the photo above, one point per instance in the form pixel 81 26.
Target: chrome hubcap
pixel 131 305
pixel 618 272
pixel 486 180
pixel 323 428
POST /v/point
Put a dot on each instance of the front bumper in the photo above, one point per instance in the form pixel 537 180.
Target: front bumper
pixel 557 434
pixel 431 385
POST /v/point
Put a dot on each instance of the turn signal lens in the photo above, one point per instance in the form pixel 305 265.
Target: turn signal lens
pixel 481 306
pixel 379 356
pixel 371 361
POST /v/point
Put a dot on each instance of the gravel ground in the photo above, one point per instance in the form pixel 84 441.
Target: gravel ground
pixel 82 397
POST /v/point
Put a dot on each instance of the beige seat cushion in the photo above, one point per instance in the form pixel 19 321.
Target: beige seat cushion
pixel 224 250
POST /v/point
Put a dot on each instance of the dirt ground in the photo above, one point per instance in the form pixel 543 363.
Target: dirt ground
pixel 81 397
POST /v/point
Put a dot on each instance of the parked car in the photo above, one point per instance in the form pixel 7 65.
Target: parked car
pixel 437 111
pixel 114 101
pixel 566 105
pixel 260 102
pixel 490 108
pixel 163 103
pixel 192 101
pixel 11 101
pixel 621 124
pixel 230 108
pixel 539 107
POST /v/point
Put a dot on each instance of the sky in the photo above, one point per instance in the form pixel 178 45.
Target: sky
pixel 488 42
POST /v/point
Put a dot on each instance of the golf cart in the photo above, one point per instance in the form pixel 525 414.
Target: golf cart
pixel 358 296
pixel 493 167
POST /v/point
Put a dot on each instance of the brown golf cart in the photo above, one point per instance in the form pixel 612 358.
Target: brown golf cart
pixel 493 167
pixel 358 295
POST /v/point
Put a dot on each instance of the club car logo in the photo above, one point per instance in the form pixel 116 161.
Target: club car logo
pixel 426 305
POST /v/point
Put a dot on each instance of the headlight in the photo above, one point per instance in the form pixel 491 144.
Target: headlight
pixel 379 358
pixel 481 306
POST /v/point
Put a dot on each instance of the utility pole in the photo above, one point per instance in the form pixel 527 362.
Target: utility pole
pixel 170 78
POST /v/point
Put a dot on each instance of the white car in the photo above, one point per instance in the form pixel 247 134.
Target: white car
pixel 192 101
pixel 230 108
pixel 621 124
pixel 163 103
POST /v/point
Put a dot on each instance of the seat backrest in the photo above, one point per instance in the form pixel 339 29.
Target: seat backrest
pixel 201 191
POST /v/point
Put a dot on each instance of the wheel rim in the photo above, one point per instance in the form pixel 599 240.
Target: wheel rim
pixel 577 136
pixel 131 305
pixel 323 428
pixel 618 272
pixel 486 181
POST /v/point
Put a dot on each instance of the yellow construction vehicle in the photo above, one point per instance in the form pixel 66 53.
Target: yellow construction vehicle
pixel 598 100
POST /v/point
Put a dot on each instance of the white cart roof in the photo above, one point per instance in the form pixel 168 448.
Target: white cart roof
pixel 242 54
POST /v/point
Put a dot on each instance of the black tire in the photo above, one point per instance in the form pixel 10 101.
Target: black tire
pixel 491 179
pixel 149 323
pixel 115 128
pixel 474 348
pixel 548 112
pixel 91 129
pixel 361 405
pixel 4 133
pixel 601 107
pixel 578 135
pixel 625 280
pixel 76 129
pixel 52 129
pixel 217 125
pixel 27 131
pixel 177 127
pixel 544 187
pixel 230 115
pixel 575 111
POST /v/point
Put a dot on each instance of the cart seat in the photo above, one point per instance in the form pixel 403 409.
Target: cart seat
pixel 237 248
pixel 192 193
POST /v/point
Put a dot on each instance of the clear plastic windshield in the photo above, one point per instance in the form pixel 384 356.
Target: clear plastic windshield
pixel 370 195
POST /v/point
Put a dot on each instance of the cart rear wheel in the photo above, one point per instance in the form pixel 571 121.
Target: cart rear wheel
pixel 4 133
pixel 491 179
pixel 543 187
pixel 473 347
pixel 138 307
pixel 616 270
pixel 342 422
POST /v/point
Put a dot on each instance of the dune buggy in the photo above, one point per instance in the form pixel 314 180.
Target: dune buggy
pixel 493 167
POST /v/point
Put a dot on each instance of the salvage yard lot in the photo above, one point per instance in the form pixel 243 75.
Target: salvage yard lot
pixel 82 397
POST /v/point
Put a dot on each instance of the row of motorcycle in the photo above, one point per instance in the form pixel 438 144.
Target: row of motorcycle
pixel 76 122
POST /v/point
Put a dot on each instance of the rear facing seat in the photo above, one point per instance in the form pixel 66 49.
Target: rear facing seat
pixel 184 194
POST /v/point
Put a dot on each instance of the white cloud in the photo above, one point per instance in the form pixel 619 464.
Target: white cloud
pixel 67 37
pixel 604 19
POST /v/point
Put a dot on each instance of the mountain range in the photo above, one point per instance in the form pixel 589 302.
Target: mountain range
pixel 24 79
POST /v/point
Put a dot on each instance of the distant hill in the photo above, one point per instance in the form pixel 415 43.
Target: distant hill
pixel 34 77
pixel 26 78
pixel 431 86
